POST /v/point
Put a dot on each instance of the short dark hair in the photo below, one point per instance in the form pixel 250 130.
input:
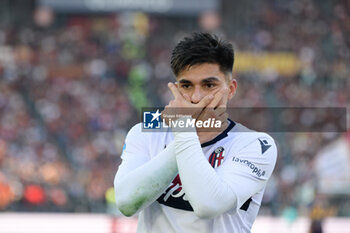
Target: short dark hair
pixel 202 48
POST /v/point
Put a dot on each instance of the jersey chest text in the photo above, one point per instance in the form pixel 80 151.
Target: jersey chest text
pixel 174 196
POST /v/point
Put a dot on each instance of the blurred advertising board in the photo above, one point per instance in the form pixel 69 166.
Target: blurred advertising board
pixel 284 63
pixel 176 7
pixel 332 166
pixel 101 223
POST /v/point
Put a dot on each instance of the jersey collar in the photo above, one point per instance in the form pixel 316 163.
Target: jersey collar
pixel 220 136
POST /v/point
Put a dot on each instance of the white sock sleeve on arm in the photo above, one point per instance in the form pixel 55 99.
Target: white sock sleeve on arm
pixel 206 192
pixel 138 187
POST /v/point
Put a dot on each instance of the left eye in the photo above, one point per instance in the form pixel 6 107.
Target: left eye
pixel 210 85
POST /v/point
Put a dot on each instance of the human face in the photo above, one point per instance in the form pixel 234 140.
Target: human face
pixel 204 79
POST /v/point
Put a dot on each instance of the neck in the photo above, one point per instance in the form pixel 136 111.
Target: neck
pixel 207 135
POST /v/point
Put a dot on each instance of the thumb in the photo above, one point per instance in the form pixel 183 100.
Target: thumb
pixel 205 101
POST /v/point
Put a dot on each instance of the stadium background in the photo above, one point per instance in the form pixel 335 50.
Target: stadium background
pixel 74 77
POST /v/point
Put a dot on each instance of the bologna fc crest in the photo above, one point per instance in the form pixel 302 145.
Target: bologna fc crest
pixel 217 157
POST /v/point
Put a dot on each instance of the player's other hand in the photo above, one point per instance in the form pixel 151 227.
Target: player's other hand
pixel 216 110
pixel 181 105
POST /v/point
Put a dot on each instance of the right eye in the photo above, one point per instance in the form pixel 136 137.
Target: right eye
pixel 185 86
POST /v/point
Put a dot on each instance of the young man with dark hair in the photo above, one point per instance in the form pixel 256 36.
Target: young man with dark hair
pixel 196 181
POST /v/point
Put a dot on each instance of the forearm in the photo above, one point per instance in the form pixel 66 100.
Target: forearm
pixel 142 186
pixel 199 179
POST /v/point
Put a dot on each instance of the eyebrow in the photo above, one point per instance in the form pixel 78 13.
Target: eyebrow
pixel 206 80
pixel 185 81
pixel 210 79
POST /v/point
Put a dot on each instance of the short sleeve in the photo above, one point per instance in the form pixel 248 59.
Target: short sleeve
pixel 247 170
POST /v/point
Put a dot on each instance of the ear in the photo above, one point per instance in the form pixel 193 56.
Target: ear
pixel 233 87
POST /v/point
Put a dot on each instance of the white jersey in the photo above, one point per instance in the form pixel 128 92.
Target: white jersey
pixel 252 157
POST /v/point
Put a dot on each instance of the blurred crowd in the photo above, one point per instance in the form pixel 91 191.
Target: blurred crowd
pixel 70 92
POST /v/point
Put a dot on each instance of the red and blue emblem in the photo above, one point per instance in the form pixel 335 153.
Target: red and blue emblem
pixel 217 157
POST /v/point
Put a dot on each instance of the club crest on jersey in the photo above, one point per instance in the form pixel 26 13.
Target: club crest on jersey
pixel 217 157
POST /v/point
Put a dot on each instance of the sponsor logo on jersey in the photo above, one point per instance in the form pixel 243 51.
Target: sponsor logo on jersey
pixel 264 145
pixel 175 196
pixel 255 170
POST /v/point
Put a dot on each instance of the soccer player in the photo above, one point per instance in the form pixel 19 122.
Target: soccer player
pixel 196 181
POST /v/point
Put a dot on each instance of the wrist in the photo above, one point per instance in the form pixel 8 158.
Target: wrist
pixel 183 124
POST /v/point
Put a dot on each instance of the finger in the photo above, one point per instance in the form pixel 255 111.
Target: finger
pixel 166 106
pixel 216 100
pixel 224 99
pixel 219 111
pixel 224 124
pixel 224 116
pixel 205 113
pixel 187 98
pixel 205 101
pixel 175 91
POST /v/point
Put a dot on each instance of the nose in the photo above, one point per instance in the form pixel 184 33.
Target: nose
pixel 197 95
